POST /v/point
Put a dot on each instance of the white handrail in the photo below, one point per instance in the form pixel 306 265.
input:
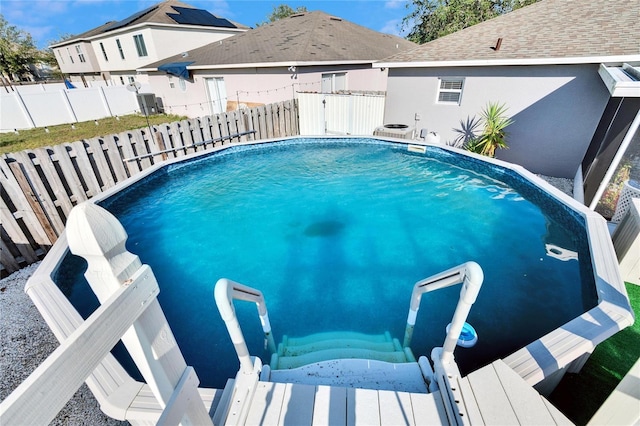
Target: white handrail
pixel 468 274
pixel 224 293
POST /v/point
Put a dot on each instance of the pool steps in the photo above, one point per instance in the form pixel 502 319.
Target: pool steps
pixel 357 373
pixel 297 352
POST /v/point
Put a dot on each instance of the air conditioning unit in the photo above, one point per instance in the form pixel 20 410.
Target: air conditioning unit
pixel 400 131
pixel 147 103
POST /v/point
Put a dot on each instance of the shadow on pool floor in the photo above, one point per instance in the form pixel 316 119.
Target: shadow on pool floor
pixel 580 395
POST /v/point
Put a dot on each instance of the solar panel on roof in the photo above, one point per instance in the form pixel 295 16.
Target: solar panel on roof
pixel 130 19
pixel 190 16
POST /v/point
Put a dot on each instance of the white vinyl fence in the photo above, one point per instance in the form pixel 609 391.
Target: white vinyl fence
pixel 27 107
pixel 340 114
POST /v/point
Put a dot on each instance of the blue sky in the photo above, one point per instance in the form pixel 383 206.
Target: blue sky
pixel 46 20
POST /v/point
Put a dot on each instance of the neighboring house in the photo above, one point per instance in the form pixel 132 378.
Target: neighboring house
pixel 112 52
pixel 542 61
pixel 306 52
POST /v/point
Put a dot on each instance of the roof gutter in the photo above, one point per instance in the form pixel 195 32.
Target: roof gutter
pixel 266 65
pixel 619 59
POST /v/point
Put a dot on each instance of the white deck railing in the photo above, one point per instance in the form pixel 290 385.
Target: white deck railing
pixel 129 312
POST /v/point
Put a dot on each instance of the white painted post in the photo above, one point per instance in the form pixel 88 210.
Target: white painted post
pixel 96 235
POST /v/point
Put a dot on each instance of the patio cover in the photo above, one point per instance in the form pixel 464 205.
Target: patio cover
pixel 179 69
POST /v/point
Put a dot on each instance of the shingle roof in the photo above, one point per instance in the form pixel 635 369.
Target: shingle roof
pixel 306 37
pixel 165 12
pixel 547 29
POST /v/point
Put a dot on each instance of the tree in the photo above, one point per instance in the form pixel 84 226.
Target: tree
pixel 17 51
pixel 282 11
pixel 431 19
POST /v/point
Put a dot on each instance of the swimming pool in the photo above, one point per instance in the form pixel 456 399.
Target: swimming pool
pixel 341 230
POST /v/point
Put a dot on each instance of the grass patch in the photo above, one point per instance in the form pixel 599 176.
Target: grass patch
pixel 580 395
pixel 38 137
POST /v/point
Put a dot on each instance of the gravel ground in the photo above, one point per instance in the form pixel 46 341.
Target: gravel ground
pixel 26 341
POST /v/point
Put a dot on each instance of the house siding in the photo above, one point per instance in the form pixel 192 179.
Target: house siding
pixel 555 108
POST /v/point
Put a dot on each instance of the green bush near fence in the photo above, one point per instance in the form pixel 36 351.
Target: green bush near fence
pixel 54 135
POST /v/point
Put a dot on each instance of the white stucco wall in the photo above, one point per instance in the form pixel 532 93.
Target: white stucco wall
pixel 256 85
pixel 555 108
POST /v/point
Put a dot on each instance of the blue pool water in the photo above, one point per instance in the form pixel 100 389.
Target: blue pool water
pixel 335 234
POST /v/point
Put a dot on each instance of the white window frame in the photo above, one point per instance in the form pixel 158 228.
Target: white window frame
pixel 70 57
pixel 141 47
pixel 80 54
pixel 448 86
pixel 332 78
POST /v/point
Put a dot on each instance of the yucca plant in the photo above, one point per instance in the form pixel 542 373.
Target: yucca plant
pixel 493 136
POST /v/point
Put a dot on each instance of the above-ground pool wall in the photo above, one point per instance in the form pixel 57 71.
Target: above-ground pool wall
pixel 555 108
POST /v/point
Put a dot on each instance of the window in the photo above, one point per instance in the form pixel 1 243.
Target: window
pixel 183 84
pixel 80 54
pixel 104 52
pixel 60 55
pixel 450 90
pixel 120 48
pixel 142 49
pixel 131 80
pixel 70 57
pixel 335 82
pixel 122 80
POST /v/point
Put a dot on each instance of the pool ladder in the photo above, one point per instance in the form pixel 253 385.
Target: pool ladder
pixel 322 347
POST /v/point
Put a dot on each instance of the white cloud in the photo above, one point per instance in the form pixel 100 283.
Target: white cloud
pixel 394 4
pixel 393 27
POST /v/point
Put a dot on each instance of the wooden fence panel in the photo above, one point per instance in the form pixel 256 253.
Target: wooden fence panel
pixel 55 181
pixel 19 200
pixel 223 121
pixel 94 148
pixel 206 128
pixel 9 259
pixel 175 137
pixel 32 198
pixel 216 134
pixel 131 163
pixel 40 191
pixel 74 183
pixel 187 137
pixel 18 239
pixel 141 148
pixel 87 172
pixel 233 126
pixel 261 113
pixel 115 159
pixel 41 186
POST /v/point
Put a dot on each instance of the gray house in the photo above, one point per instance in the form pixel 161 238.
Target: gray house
pixel 557 65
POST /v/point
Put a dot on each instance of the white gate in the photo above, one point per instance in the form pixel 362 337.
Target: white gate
pixel 337 114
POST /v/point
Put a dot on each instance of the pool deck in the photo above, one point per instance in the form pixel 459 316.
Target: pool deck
pixel 495 394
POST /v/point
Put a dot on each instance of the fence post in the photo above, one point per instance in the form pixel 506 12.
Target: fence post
pixel 67 102
pixel 24 109
pixel 96 235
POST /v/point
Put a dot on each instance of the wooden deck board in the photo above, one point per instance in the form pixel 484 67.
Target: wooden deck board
pixel 527 404
pixel 491 397
pixel 362 407
pixel 494 394
pixel 395 408
pixel 427 407
pixel 266 404
pixel 330 406
pixel 297 405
